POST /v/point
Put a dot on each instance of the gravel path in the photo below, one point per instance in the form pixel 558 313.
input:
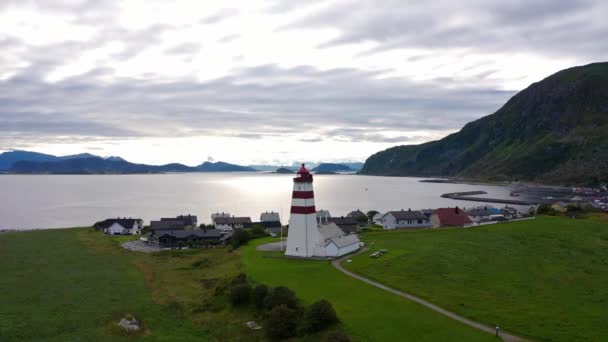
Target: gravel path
pixel 271 247
pixel 504 335
pixel 140 246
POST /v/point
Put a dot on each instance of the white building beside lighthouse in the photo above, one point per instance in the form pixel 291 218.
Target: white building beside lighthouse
pixel 308 238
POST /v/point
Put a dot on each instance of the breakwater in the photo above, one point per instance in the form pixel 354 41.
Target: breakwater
pixel 470 196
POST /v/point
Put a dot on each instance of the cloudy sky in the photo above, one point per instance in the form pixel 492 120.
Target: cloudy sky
pixel 272 81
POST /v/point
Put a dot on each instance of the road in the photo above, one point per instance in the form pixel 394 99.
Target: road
pixel 504 335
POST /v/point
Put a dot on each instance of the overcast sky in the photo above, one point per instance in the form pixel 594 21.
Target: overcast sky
pixel 272 81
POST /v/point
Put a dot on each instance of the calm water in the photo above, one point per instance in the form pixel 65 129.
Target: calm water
pixel 53 201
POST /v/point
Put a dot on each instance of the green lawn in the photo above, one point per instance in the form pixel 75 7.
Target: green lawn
pixel 546 278
pixel 54 288
pixel 368 313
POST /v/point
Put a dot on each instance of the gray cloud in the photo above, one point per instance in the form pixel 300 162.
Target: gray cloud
pixel 544 26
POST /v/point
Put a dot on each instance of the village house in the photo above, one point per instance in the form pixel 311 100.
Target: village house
pixel 270 217
pixel 167 225
pixel 450 217
pixel 182 238
pixel 120 226
pixel 510 212
pixel 405 219
pixel 231 223
pixel 189 221
pixel 218 215
pixel 347 224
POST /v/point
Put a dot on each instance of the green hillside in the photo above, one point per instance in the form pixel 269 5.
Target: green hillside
pixel 554 131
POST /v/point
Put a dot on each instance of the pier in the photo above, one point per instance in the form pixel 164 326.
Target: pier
pixel 469 196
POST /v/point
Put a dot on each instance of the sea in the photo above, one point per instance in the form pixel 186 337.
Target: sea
pixel 61 201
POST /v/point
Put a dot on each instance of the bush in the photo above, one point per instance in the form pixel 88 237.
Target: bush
pixel 258 232
pixel 319 316
pixel 259 295
pixel 240 294
pixel 280 296
pixel 239 238
pixel 545 209
pixel 281 323
pixel 239 279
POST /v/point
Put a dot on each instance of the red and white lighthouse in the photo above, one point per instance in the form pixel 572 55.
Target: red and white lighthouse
pixel 304 238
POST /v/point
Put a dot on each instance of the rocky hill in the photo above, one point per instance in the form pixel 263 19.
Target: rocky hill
pixel 555 131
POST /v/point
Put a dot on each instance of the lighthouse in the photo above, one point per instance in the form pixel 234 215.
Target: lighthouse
pixel 303 238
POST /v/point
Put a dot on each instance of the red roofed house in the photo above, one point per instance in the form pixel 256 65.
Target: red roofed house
pixel 450 217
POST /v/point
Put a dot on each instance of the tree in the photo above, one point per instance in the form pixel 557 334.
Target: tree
pixel 259 295
pixel 258 231
pixel 545 209
pixel 361 219
pixel 371 214
pixel 239 238
pixel 281 323
pixel 280 296
pixel 319 316
pixel 241 278
pixel 240 294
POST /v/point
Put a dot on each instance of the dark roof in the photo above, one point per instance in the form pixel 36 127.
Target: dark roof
pixel 452 216
pixel 232 220
pixel 408 215
pixel 189 220
pixel 167 225
pixel 265 224
pixel 340 221
pixel 199 233
pixel 125 222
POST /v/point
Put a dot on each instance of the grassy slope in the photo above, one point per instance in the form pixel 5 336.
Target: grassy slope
pixel 54 289
pixel 544 278
pixel 369 314
pixel 74 284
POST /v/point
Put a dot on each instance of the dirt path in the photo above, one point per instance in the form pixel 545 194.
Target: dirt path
pixel 504 335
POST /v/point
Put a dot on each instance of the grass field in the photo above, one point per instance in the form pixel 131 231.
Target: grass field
pixel 75 284
pixel 368 313
pixel 544 278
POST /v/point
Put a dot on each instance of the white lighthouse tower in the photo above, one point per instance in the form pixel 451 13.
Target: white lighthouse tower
pixel 303 238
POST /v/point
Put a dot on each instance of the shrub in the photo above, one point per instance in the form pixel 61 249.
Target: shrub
pixel 239 238
pixel 545 209
pixel 337 336
pixel 280 296
pixel 258 232
pixel 281 323
pixel 239 279
pixel 240 294
pixel 258 295
pixel 319 316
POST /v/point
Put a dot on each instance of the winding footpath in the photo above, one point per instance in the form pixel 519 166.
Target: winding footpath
pixel 504 335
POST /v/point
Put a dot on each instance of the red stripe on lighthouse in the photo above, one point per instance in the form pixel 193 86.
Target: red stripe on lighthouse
pixel 303 194
pixel 303 210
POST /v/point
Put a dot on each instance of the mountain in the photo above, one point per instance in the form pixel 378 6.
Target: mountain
pixel 354 165
pixel 284 170
pixel 85 163
pixel 91 165
pixel 7 159
pixel 222 167
pixel 331 167
pixel 555 132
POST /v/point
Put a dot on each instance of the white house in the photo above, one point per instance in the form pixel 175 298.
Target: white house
pixel 405 219
pixel 336 242
pixel 121 226
pixel 229 224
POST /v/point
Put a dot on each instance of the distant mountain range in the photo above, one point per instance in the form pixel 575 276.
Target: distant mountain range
pixel 555 132
pixel 86 163
pixel 331 167
pixel 33 162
